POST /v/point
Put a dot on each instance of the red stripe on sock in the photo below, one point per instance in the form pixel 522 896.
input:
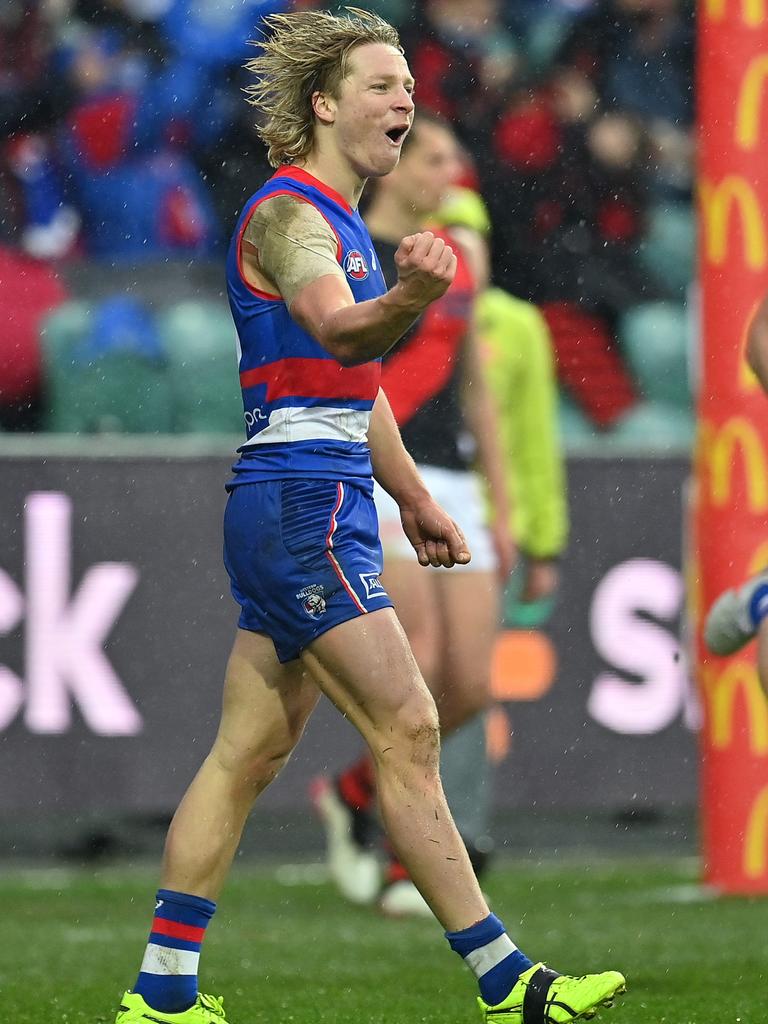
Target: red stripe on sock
pixel 356 785
pixel 396 872
pixel 177 930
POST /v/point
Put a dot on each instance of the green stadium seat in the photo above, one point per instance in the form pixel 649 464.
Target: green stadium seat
pixel 669 248
pixel 654 340
pixel 116 391
pixel 576 429
pixel 200 343
pixel 60 334
pixel 655 427
pixel 125 393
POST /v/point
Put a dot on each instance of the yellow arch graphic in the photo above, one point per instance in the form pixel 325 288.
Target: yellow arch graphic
pixel 759 560
pixel 721 690
pixel 750 102
pixel 752 11
pixel 716 453
pixel 756 837
pixel 717 202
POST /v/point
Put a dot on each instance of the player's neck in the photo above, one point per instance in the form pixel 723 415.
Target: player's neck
pixel 342 179
pixel 390 221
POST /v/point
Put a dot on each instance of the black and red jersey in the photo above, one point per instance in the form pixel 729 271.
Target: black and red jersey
pixel 422 374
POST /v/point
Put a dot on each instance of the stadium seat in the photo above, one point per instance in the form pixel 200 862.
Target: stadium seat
pixel 669 249
pixel 655 427
pixel 576 429
pixel 104 370
pixel 654 340
pixel 200 343
pixel 60 334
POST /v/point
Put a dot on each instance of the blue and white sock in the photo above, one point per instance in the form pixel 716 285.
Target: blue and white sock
pixel 758 604
pixel 492 957
pixel 168 978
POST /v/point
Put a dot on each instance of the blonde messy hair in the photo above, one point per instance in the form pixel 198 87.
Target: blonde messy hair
pixel 303 53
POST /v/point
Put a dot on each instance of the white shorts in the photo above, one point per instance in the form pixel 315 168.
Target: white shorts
pixel 458 492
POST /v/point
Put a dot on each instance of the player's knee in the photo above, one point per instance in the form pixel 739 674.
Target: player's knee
pixel 415 735
pixel 253 767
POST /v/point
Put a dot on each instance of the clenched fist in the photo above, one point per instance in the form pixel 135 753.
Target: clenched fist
pixel 426 266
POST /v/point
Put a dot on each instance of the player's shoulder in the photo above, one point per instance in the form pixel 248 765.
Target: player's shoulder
pixel 286 209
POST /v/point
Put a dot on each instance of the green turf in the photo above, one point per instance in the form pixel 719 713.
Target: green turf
pixel 283 948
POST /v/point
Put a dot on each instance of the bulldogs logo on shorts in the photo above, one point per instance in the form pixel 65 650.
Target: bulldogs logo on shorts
pixel 355 265
pixel 313 600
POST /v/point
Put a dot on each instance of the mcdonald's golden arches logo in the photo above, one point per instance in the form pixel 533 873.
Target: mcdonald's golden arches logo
pixel 753 12
pixel 722 690
pixel 718 450
pixel 718 202
pixel 759 560
pixel 756 837
pixel 750 105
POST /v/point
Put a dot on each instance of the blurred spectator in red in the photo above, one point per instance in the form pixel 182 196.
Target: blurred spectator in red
pixel 29 290
pixel 568 194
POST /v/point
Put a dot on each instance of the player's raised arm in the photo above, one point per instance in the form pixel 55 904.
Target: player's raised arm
pixel 289 246
pixel 357 332
pixel 757 344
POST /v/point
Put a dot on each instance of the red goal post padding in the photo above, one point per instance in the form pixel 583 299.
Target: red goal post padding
pixel 730 496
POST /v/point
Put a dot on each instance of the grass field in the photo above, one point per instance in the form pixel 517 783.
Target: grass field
pixel 283 949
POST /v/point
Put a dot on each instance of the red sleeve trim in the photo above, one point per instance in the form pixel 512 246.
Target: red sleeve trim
pixel 299 174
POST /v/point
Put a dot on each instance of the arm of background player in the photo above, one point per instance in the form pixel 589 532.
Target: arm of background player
pixel 757 344
pixel 521 374
pixel 480 414
pixel 435 537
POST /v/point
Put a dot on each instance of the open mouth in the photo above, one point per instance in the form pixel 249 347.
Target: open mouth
pixel 396 135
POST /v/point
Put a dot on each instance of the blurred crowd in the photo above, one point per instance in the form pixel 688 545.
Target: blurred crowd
pixel 126 139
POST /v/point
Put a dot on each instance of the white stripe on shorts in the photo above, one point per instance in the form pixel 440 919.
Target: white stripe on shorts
pixel 164 960
pixel 487 957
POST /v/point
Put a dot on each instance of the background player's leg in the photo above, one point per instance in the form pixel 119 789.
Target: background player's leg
pixel 451 620
pixel 265 708
pixel 467 781
pixel 469 609
pixel 414 594
pixel 366 668
pixel 469 616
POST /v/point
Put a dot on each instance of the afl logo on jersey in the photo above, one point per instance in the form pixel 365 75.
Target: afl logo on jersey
pixel 355 265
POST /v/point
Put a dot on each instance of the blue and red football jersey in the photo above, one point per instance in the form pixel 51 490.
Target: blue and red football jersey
pixel 306 415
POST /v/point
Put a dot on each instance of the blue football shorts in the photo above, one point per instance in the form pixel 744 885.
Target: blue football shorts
pixel 302 557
